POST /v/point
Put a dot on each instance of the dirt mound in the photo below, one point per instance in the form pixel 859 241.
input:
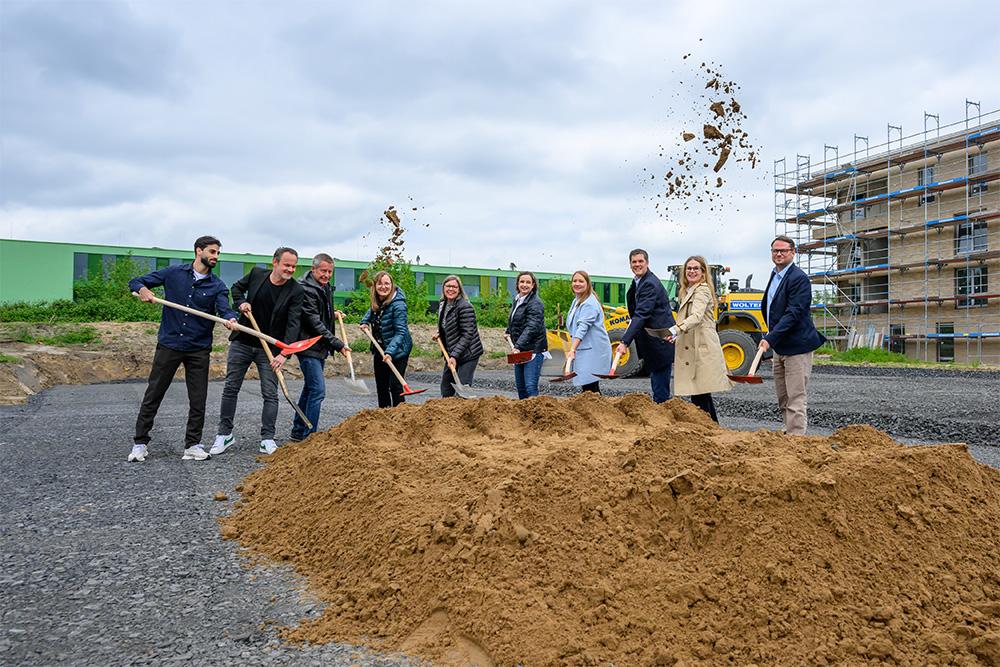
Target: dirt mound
pixel 615 531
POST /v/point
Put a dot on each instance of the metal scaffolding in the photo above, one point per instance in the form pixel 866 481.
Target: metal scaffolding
pixel 900 238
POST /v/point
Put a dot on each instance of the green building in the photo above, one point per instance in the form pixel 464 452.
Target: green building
pixel 37 271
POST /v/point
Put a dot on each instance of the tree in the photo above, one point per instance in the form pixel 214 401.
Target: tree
pixel 557 295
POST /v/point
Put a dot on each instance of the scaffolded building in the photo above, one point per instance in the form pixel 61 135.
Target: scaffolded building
pixel 902 239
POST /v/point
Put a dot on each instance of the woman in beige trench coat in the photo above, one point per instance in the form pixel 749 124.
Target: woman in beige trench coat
pixel 699 367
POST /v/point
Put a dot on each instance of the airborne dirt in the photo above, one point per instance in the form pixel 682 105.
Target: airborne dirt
pixel 614 531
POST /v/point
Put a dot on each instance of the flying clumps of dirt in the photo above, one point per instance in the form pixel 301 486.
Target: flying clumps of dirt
pixel 693 173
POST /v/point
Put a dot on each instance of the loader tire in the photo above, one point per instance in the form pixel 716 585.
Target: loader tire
pixel 738 349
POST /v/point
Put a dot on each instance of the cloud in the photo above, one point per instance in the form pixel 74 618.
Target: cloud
pixel 520 131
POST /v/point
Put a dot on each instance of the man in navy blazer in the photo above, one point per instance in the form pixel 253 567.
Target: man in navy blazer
pixel 791 333
pixel 649 308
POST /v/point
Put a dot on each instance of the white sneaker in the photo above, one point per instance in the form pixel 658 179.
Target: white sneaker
pixel 139 453
pixel 222 443
pixel 196 453
pixel 268 447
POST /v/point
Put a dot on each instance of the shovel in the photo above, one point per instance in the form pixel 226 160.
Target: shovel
pixel 353 384
pixel 406 388
pixel 281 377
pixel 567 373
pixel 461 390
pixel 517 357
pixel 286 348
pixel 619 350
pixel 750 378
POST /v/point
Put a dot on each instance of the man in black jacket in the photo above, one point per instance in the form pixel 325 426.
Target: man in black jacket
pixel 275 299
pixel 317 320
pixel 649 308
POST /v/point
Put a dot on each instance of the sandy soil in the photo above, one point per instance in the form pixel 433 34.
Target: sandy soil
pixel 613 531
pixel 124 351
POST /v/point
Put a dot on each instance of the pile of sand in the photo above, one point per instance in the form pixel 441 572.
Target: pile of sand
pixel 614 531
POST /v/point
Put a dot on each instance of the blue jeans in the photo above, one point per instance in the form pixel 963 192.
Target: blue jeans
pixel 238 362
pixel 311 399
pixel 659 381
pixel 526 376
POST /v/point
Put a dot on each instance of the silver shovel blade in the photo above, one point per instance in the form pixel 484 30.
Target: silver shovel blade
pixel 356 386
pixel 464 391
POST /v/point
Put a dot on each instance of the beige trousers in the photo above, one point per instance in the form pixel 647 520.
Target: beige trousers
pixel 791 377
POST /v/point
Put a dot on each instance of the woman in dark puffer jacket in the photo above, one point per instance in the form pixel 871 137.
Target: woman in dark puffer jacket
pixel 459 334
pixel 526 330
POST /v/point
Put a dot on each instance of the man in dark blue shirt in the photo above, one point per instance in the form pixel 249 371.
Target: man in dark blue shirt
pixel 183 339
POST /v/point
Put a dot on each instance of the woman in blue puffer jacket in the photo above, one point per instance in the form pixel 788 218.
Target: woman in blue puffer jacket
pixel 387 321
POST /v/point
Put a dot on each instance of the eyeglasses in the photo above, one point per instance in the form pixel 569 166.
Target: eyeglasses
pixel 781 251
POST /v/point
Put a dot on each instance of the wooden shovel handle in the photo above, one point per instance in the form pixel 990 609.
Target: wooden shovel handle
pixel 382 352
pixel 454 373
pixel 214 318
pixel 281 376
pixel 756 361
pixel 343 335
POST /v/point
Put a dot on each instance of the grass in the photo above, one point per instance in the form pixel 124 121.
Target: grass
pixel 8 359
pixel 881 357
pixel 496 355
pixel 218 348
pixel 78 335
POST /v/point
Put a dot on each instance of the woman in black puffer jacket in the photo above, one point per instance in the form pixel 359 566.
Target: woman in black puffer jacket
pixel 459 334
pixel 526 330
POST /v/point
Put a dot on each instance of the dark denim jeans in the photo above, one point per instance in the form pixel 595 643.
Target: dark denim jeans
pixel 526 376
pixel 659 381
pixel 237 364
pixel 311 399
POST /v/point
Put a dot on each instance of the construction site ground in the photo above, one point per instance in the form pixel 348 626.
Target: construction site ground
pixel 106 562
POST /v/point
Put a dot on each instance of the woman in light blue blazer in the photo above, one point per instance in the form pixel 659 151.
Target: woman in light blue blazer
pixel 591 347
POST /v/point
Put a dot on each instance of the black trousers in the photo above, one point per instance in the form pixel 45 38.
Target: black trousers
pixel 591 386
pixel 464 369
pixel 165 365
pixel 705 402
pixel 390 391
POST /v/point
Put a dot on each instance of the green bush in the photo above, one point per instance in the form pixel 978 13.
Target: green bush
pixel 494 308
pixel 8 359
pixel 402 274
pixel 96 299
pixel 557 295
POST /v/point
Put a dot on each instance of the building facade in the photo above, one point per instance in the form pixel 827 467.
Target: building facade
pixel 902 241
pixel 40 271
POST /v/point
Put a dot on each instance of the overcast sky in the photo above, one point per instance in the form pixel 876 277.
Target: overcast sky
pixel 519 130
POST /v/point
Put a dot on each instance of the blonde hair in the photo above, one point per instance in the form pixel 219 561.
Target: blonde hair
pixel 706 278
pixel 590 286
pixel 461 288
pixel 377 303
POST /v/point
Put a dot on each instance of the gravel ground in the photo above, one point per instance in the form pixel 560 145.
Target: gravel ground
pixel 105 562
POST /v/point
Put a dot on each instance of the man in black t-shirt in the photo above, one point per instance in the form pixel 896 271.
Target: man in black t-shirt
pixel 275 299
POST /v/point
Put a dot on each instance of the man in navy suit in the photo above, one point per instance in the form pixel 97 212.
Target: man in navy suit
pixel 649 308
pixel 791 333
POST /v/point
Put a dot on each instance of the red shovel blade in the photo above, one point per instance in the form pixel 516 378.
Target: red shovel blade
pixel 298 346
pixel 563 378
pixel 607 376
pixel 519 357
pixel 409 392
pixel 747 379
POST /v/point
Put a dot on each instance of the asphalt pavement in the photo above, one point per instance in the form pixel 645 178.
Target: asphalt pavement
pixel 111 563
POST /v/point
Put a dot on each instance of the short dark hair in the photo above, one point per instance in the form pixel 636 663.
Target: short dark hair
pixel 320 258
pixel 638 251
pixel 786 239
pixel 203 242
pixel 281 251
